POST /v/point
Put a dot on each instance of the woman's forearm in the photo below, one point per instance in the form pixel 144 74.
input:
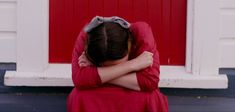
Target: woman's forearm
pixel 112 72
pixel 128 81
pixel 108 73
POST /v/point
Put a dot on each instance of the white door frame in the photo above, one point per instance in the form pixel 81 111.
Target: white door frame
pixel 200 71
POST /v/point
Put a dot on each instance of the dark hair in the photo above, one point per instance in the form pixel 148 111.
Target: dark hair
pixel 108 41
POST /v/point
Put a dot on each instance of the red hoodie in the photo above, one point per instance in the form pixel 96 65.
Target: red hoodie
pixel 90 95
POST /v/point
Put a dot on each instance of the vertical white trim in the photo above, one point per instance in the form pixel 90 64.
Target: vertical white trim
pixel 189 35
pixel 32 35
pixel 205 37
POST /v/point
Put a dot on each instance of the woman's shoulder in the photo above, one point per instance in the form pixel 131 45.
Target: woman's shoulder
pixel 142 32
pixel 139 24
pixel 82 36
pixel 139 29
pixel 143 37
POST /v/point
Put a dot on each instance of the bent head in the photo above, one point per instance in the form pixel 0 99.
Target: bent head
pixel 108 44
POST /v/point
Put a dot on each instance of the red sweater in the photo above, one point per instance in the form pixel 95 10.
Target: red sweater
pixel 87 80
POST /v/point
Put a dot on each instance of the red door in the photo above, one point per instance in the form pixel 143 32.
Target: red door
pixel 166 17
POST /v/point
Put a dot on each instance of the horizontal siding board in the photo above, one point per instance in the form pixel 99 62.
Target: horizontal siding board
pixel 7 46
pixel 8 16
pixel 227 25
pixel 227 3
pixel 227 34
pixel 8 31
pixel 227 47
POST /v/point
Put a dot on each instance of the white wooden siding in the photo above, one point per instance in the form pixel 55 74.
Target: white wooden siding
pixel 227 33
pixel 8 30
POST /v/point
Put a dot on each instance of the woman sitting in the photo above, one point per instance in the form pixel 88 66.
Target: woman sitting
pixel 115 68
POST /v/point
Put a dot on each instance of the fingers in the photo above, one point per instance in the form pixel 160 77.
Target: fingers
pixel 149 57
pixel 82 58
pixel 83 61
pixel 82 55
pixel 81 64
pixel 147 52
pixel 151 62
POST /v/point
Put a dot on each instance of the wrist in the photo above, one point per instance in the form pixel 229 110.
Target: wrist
pixel 131 65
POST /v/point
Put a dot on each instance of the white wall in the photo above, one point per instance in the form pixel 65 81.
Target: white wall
pixel 227 33
pixel 8 30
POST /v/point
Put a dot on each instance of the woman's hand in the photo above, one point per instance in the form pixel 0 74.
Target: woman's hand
pixel 144 60
pixel 83 61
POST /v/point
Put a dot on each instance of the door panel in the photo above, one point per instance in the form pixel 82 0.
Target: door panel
pixel 166 17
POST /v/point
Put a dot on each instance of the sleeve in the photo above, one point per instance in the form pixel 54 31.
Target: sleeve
pixel 83 77
pixel 147 78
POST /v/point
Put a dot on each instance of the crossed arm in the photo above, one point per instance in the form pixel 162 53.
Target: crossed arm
pixel 135 74
pixel 122 74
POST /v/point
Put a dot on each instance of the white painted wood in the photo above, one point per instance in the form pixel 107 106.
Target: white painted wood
pixel 227 34
pixel 32 35
pixel 227 24
pixel 189 35
pixel 206 37
pixel 60 75
pixel 177 77
pixel 227 4
pixel 7 16
pixel 54 75
pixel 7 1
pixel 227 54
pixel 7 46
pixel 7 31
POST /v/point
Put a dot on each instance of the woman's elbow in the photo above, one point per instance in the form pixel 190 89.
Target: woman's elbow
pixel 83 83
pixel 79 84
pixel 150 85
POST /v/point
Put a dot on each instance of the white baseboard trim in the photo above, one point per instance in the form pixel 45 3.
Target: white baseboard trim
pixel 60 75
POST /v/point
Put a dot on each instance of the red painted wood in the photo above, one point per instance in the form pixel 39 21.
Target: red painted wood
pixel 125 9
pixel 176 32
pixel 110 7
pixel 166 17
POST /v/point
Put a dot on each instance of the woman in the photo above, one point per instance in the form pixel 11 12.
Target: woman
pixel 115 68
